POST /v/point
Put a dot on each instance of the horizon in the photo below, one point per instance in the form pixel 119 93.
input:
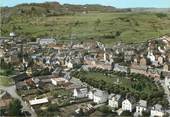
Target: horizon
pixel 113 3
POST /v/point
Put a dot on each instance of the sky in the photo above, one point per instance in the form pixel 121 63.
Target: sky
pixel 115 3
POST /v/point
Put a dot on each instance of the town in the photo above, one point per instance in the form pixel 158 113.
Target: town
pixel 47 77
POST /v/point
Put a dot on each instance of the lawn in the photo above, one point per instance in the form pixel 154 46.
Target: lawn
pixel 5 81
pixel 106 27
pixel 122 81
pixel 4 77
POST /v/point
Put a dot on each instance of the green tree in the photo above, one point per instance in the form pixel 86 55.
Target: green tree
pixel 15 108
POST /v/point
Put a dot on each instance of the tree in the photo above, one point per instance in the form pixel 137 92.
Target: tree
pixel 126 113
pixel 105 109
pixel 52 108
pixel 15 108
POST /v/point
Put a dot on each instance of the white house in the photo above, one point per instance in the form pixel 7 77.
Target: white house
pixel 120 68
pixel 127 105
pixel 12 34
pixel 140 107
pixel 100 96
pixel 38 101
pixel 167 81
pixel 80 92
pixel 91 94
pixel 46 41
pixel 69 64
pixel 114 100
pixel 157 111
pixel 151 57
pixel 58 81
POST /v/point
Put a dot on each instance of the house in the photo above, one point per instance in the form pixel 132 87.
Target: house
pixel 5 99
pixel 160 60
pixel 128 54
pixel 128 105
pixel 12 34
pixel 80 92
pixel 20 77
pixel 21 85
pixel 1 41
pixel 151 56
pixel 114 100
pixel 143 62
pixel 38 101
pixel 46 41
pixel 91 94
pixel 166 67
pixel 167 81
pixel 44 79
pixel 2 53
pixel 100 96
pixel 157 111
pixel 140 107
pixel 120 68
pixel 58 81
pixel 69 64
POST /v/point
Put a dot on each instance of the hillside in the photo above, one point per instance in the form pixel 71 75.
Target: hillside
pixel 52 9
pixel 83 22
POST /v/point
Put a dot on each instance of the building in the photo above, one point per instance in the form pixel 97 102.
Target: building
pixel 157 111
pixel 69 64
pixel 127 105
pixel 58 81
pixel 100 96
pixel 91 94
pixel 120 68
pixel 160 60
pixel 80 92
pixel 140 107
pixel 114 100
pixel 143 62
pixel 46 41
pixel 167 81
pixel 5 99
pixel 166 67
pixel 38 101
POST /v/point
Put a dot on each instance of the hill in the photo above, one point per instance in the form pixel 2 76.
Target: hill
pixel 83 22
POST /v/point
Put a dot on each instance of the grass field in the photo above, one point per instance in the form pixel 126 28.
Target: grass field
pixel 5 81
pixel 106 27
pixel 123 82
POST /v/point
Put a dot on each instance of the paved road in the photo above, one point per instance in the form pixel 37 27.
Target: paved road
pixel 167 92
pixel 12 91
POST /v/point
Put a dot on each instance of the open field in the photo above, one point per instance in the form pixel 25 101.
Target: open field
pixel 4 77
pixel 106 27
pixel 5 81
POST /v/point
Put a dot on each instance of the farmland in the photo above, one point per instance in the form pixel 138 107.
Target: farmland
pixel 108 27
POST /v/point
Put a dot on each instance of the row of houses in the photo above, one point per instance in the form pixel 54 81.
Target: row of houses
pixel 116 101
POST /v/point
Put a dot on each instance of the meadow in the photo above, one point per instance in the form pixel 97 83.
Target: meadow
pixel 110 27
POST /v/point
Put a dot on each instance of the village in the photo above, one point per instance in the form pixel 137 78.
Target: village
pixel 52 78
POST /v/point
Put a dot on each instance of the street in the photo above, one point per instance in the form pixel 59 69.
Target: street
pixel 167 92
pixel 12 91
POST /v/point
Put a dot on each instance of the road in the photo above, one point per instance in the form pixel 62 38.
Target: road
pixel 12 91
pixel 167 92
